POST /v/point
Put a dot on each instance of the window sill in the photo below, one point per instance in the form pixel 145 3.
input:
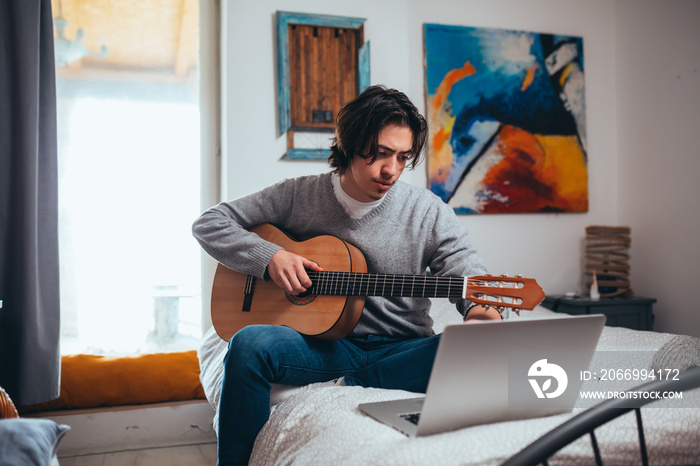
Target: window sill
pixel 133 427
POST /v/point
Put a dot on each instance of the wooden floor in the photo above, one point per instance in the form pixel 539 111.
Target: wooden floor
pixel 191 455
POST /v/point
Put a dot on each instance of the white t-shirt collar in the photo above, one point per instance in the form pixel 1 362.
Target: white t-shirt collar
pixel 354 208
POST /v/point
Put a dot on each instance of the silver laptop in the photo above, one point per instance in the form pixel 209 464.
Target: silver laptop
pixel 497 371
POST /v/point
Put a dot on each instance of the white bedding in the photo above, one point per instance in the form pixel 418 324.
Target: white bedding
pixel 323 425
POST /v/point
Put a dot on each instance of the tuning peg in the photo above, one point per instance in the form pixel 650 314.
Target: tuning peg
pixel 519 275
pixel 501 309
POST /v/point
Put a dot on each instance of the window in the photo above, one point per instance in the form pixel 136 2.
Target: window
pixel 129 174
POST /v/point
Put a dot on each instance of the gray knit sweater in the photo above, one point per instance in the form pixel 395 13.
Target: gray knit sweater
pixel 410 232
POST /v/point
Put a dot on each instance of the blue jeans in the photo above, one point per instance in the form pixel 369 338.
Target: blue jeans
pixel 260 355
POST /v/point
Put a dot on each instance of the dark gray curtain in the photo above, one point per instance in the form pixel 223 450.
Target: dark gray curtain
pixel 29 288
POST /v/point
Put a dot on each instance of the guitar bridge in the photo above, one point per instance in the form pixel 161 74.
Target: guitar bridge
pixel 248 292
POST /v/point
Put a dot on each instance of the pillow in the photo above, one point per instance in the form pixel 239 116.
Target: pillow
pixel 211 353
pixel 29 442
pixel 90 381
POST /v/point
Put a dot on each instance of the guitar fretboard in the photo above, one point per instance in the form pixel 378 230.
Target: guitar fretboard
pixel 373 284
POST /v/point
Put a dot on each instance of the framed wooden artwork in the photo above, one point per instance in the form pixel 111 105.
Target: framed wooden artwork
pixel 322 63
pixel 506 111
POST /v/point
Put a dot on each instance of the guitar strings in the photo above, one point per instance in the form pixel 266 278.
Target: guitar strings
pixel 348 283
pixel 368 284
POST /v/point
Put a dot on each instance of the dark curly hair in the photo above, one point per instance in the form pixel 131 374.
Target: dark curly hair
pixel 359 122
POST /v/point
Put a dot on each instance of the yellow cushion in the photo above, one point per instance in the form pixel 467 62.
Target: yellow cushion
pixel 90 381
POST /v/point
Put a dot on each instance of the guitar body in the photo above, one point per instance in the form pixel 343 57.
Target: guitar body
pixel 234 306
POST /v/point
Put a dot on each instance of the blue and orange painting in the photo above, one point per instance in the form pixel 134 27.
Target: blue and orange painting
pixel 506 111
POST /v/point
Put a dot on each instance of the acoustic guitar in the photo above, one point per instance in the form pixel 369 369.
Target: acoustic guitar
pixel 332 306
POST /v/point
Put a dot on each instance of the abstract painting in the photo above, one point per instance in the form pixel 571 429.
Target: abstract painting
pixel 506 111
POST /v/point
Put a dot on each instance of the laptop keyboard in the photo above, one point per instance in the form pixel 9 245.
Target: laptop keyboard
pixel 411 417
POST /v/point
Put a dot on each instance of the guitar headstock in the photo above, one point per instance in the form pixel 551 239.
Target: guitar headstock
pixel 504 292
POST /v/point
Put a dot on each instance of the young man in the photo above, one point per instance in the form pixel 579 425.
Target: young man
pixel 399 228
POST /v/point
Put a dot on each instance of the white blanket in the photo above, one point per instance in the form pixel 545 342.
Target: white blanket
pixel 324 426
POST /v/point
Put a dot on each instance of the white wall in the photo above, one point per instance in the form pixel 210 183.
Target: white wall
pixel 658 125
pixel 545 246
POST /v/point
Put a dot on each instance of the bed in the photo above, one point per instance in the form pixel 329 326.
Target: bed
pixel 324 426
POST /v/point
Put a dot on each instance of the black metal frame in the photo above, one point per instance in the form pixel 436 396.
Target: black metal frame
pixel 585 423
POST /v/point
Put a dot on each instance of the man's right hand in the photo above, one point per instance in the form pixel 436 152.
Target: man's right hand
pixel 288 271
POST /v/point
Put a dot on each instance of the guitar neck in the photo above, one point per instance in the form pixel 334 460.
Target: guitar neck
pixel 377 284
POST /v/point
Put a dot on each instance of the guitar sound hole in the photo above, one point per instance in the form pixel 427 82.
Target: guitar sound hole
pixel 301 299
